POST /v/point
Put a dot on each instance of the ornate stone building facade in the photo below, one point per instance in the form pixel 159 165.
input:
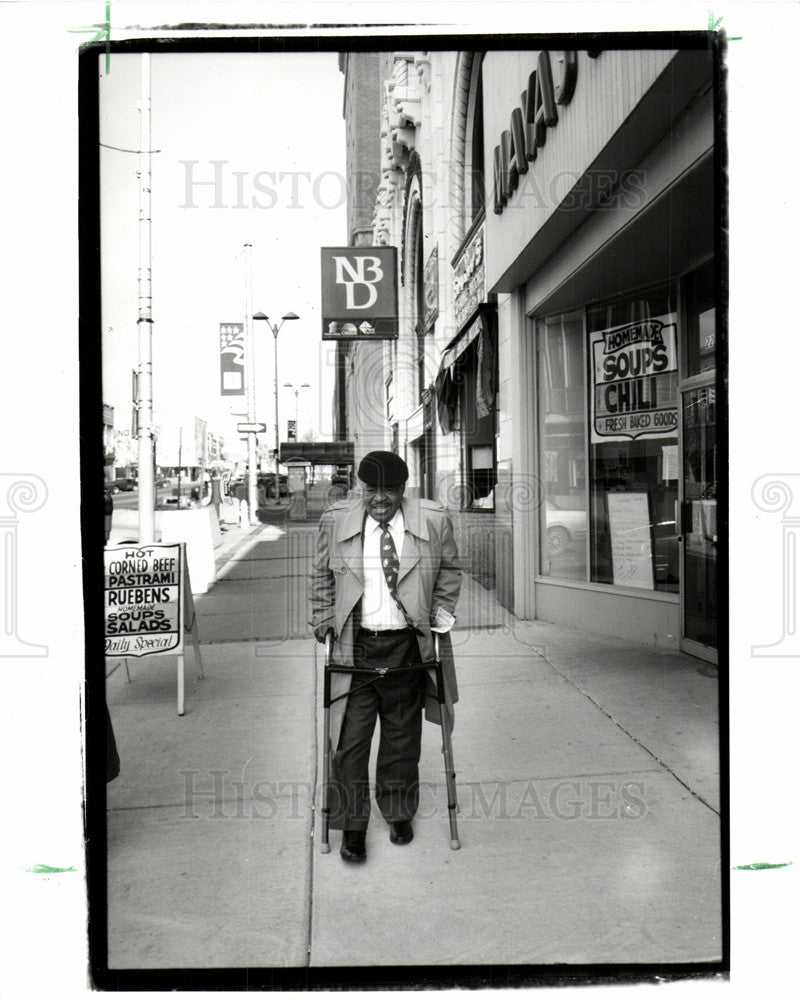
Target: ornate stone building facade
pixel 553 381
pixel 437 380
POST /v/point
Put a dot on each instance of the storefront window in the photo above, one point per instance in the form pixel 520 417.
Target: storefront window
pixel 633 443
pixel 626 420
pixel 561 393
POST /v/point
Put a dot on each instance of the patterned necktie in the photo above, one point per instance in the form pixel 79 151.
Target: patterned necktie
pixel 391 568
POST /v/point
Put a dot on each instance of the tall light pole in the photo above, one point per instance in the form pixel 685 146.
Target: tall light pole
pixel 144 381
pixel 296 389
pixel 250 385
pixel 275 327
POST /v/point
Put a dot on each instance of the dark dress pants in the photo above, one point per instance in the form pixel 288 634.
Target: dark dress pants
pixel 397 699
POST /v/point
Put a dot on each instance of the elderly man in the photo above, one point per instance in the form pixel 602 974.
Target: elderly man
pixel 385 576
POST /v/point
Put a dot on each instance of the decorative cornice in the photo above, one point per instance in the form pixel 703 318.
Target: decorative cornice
pixel 422 64
pixel 405 100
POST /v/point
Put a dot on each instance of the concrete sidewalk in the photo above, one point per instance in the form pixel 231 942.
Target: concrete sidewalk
pixel 588 790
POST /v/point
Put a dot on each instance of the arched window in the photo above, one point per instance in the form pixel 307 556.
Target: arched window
pixel 419 310
pixel 414 272
pixel 475 173
pixel 468 181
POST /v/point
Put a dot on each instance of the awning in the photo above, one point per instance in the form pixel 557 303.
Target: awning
pixel 483 327
pixel 457 348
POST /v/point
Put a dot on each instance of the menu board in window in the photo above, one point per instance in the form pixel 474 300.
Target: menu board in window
pixel 629 526
pixel 635 380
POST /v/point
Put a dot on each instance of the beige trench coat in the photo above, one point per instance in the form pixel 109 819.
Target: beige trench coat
pixel 429 578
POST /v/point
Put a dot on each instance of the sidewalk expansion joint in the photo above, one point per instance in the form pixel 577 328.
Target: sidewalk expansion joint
pixel 312 839
pixel 550 777
pixel 260 579
pixel 248 558
pixel 480 628
pixel 299 637
pixel 204 798
pixel 619 726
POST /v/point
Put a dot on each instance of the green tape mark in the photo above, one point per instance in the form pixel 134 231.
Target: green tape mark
pixel 759 866
pixel 103 33
pixel 47 870
pixel 713 25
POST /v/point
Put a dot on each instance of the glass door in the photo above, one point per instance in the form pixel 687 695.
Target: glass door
pixel 698 513
pixel 699 516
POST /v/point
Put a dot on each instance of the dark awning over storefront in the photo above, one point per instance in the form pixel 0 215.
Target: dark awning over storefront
pixel 483 328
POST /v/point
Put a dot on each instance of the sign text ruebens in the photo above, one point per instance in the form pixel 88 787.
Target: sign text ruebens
pixel 359 293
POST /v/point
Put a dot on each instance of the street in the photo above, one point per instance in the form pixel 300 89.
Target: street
pixel 129 499
pixel 587 772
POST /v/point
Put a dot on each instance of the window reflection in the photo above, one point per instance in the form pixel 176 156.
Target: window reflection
pixel 562 466
pixel 639 461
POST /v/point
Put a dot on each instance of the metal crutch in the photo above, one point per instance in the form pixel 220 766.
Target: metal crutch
pixel 447 749
pixel 447 743
pixel 325 847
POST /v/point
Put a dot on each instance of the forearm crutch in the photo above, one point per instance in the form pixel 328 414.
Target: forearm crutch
pixel 447 749
pixel 325 847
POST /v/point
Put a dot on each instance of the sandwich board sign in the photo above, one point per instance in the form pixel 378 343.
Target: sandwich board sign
pixel 149 604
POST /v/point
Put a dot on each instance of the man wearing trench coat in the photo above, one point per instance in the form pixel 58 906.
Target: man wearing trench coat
pixel 429 579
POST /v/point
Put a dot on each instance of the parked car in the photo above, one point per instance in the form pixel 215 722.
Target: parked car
pixel 122 484
pixel 564 527
pixel 266 481
pixel 341 477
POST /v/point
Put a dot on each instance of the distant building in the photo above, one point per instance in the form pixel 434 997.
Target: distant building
pixel 109 449
pixel 358 394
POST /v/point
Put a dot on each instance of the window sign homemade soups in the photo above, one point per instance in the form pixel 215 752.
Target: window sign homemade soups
pixel 635 380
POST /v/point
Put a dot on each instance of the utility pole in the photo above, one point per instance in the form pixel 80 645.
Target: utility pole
pixel 250 384
pixel 145 320
pixel 277 426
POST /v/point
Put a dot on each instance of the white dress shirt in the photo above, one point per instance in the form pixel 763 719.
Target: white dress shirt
pixel 378 609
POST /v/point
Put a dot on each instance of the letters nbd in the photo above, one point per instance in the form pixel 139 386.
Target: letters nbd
pixel 359 293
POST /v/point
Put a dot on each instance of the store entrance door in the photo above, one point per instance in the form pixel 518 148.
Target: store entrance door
pixel 699 522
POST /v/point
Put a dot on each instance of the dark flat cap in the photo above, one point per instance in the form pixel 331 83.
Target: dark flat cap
pixel 382 468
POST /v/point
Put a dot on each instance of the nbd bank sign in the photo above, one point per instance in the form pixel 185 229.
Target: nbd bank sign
pixel 359 293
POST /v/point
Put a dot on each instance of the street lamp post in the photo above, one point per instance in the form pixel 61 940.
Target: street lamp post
pixel 296 390
pixel 275 327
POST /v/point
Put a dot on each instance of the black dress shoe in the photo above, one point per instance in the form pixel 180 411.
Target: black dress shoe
pixel 401 832
pixel 354 845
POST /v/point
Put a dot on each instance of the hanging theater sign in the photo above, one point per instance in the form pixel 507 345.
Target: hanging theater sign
pixel 359 293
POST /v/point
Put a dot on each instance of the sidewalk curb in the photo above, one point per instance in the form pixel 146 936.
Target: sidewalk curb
pixel 223 555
